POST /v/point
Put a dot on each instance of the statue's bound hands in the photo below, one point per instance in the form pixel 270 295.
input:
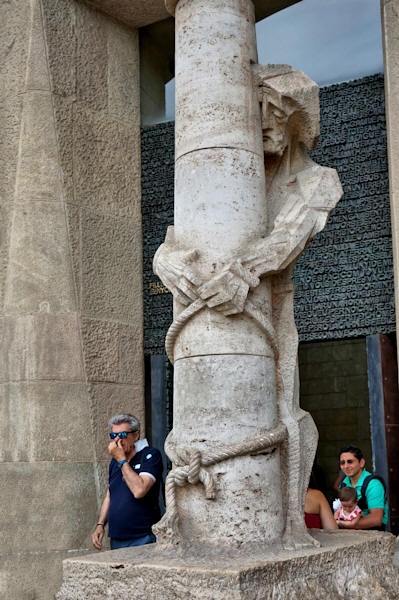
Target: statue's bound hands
pixel 228 290
pixel 177 271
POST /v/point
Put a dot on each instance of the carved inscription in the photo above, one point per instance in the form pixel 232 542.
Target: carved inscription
pixel 157 151
pixel 344 280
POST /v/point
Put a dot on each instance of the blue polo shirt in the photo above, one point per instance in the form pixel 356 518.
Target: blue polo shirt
pixel 131 517
pixel 375 494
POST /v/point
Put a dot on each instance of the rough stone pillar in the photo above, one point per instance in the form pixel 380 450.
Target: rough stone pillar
pixel 70 277
pixel 224 385
pixel 390 25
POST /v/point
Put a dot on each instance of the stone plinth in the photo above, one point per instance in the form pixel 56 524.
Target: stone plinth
pixel 348 565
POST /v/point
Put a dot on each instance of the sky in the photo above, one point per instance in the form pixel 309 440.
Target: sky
pixel 330 40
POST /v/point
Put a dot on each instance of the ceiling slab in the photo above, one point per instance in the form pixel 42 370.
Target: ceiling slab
pixel 139 13
pixel 135 13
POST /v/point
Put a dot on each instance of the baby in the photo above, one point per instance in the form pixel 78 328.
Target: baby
pixel 348 508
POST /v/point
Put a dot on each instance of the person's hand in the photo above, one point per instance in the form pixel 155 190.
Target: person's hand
pixel 349 524
pixel 228 290
pixel 115 450
pixel 97 537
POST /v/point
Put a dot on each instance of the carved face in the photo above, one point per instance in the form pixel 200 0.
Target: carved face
pixel 274 123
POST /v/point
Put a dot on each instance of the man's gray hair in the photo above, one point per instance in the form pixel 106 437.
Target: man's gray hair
pixel 126 418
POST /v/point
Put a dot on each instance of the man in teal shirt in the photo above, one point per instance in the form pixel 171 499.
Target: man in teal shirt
pixel 375 516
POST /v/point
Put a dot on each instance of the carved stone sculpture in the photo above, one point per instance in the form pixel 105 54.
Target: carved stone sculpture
pixel 255 283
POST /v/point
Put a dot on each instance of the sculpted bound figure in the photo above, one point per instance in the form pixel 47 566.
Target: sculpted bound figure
pixel 301 195
pixel 257 281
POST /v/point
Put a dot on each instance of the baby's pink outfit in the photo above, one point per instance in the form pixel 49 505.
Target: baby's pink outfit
pixel 355 513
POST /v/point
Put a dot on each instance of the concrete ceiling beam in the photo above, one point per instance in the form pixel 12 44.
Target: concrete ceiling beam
pixel 139 13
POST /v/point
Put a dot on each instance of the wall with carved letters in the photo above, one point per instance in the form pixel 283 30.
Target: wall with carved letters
pixel 344 280
pixel 157 182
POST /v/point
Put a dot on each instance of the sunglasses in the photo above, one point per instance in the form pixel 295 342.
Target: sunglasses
pixel 349 461
pixel 122 435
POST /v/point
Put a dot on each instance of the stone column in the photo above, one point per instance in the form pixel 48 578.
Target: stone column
pixel 70 277
pixel 224 386
pixel 390 24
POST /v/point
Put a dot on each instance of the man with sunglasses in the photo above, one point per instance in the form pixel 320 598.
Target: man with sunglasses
pixel 375 516
pixel 131 504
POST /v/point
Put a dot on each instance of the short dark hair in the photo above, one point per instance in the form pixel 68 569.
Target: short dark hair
pixel 353 450
pixel 347 494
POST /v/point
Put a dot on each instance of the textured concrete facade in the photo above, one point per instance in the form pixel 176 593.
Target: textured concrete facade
pixel 70 278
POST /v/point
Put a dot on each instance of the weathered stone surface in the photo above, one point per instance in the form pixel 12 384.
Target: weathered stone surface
pixel 25 574
pixel 14 44
pixel 107 168
pixel 101 349
pixel 91 58
pixel 256 199
pixel 131 368
pixel 59 19
pixel 123 73
pixel 263 8
pixel 64 496
pixel 110 351
pixel 225 115
pixel 39 273
pixel 232 200
pixel 348 566
pixel 41 410
pixel 110 254
pixel 136 13
pixel 390 22
pixel 40 346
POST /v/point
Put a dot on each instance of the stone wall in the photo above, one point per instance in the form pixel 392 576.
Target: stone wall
pixel 70 276
pixel 157 155
pixel 344 281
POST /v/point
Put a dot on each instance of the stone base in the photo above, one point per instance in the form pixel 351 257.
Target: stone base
pixel 348 565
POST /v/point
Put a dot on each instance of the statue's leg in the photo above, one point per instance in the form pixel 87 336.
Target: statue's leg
pixel 300 449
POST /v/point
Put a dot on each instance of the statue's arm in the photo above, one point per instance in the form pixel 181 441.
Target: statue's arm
pixel 228 290
pixel 320 190
pixel 176 269
pixel 295 226
pixel 283 246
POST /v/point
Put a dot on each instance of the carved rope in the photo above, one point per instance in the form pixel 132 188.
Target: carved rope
pixel 189 469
